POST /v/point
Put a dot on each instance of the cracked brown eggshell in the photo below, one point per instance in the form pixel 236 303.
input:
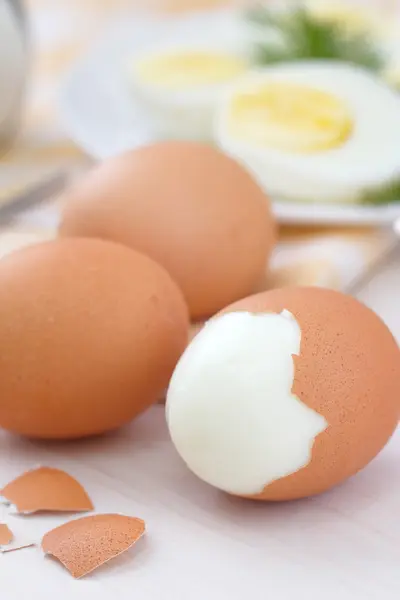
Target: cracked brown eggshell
pixel 46 489
pixel 348 371
pixel 6 535
pixel 85 544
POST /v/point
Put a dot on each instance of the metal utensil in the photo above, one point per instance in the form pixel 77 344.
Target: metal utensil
pixel 32 196
pixel 14 61
pixel 382 261
pixel 40 192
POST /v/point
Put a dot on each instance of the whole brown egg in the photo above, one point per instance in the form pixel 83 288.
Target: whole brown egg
pixel 189 207
pixel 285 394
pixel 90 334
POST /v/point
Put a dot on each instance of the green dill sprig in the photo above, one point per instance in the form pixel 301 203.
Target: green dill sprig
pixel 305 37
pixel 388 194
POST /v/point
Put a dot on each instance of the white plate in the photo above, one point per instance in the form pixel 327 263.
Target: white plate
pixel 101 117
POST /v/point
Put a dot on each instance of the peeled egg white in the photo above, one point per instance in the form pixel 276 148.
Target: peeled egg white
pixel 230 403
pixel 367 157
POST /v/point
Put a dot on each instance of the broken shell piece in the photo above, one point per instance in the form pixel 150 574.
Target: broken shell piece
pixel 85 544
pixel 6 535
pixel 46 489
pixel 7 543
pixel 14 548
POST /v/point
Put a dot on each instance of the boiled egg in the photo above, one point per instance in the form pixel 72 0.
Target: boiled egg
pixel 392 76
pixel 285 394
pixel 177 86
pixel 355 18
pixel 194 210
pixel 313 130
pixel 91 332
pixel 391 73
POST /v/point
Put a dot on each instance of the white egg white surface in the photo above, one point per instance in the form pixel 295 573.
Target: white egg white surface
pixel 368 159
pixel 230 409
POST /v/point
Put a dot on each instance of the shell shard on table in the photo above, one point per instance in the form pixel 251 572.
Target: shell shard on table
pixel 6 535
pixel 84 544
pixel 16 547
pixel 46 489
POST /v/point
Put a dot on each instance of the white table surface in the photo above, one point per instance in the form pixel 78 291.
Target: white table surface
pixel 344 545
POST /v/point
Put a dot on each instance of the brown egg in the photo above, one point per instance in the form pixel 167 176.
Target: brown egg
pixel 286 394
pixel 90 333
pixel 187 206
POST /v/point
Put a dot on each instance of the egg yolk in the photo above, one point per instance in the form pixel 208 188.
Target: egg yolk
pixel 290 117
pixel 392 76
pixel 186 69
pixel 355 20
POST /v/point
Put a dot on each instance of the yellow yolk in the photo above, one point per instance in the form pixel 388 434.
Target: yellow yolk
pixel 290 117
pixel 188 69
pixel 355 20
pixel 392 76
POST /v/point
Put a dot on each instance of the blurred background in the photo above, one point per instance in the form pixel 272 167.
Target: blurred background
pixel 65 106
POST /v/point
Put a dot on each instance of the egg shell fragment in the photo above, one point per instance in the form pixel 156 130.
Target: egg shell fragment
pixel 353 165
pixel 16 547
pixel 47 489
pixel 85 544
pixel 6 535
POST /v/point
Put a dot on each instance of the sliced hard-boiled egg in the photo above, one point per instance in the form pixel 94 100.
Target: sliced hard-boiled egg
pixel 175 70
pixel 178 87
pixel 290 116
pixel 313 131
pixel 354 18
pixel 392 76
